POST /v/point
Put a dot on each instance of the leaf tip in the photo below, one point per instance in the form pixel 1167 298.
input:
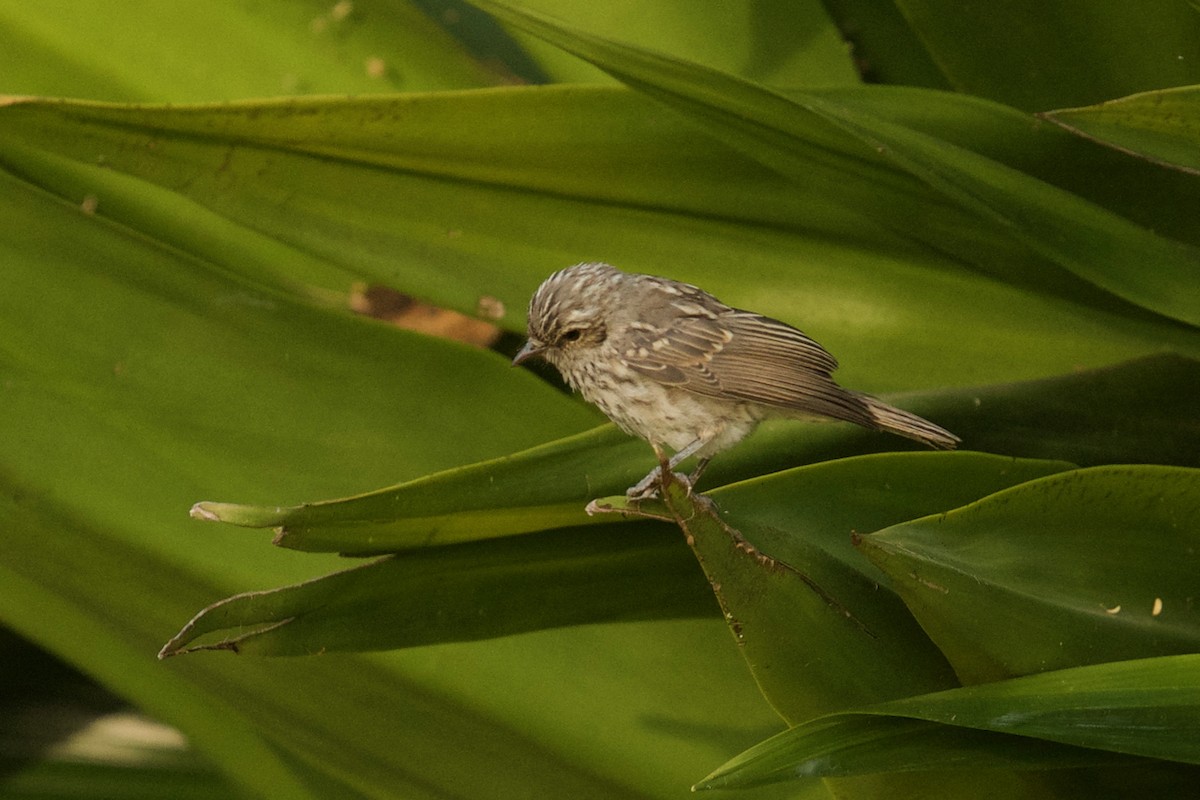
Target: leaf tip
pixel 629 508
pixel 204 511
pixel 604 505
pixel 713 780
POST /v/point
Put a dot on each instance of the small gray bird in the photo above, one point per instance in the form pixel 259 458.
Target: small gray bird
pixel 670 363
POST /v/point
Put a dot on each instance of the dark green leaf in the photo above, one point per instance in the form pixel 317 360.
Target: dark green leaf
pixel 865 744
pixel 885 48
pixel 1163 127
pixel 1136 412
pixel 139 378
pixel 776 42
pixel 305 192
pixel 1033 55
pixel 1077 568
pixel 815 626
pixel 1146 708
pixel 613 574
pixel 1090 241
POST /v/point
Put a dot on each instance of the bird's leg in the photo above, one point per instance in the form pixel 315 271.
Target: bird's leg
pixel 690 480
pixel 698 471
pixel 646 486
pixel 686 453
pixel 664 465
pixel 642 489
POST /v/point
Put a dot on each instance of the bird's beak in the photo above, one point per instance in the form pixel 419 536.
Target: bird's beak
pixel 530 350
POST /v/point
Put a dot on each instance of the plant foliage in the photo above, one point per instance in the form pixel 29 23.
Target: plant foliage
pixel 983 230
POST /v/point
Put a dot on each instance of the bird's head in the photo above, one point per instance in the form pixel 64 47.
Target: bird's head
pixel 569 314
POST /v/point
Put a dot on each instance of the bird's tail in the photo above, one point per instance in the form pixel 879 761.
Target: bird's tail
pixel 910 426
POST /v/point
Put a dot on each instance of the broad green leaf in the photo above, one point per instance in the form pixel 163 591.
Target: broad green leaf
pixel 864 744
pixel 141 50
pixel 816 628
pixel 1032 55
pixel 885 48
pixel 1090 241
pixel 1163 127
pixel 304 192
pixel 34 591
pixel 526 583
pixel 141 378
pixel 813 511
pixel 776 42
pixel 538 489
pixel 569 577
pixel 283 729
pixel 155 352
pixel 1142 192
pixel 1077 568
pixel 1145 708
pixel 1138 412
pixel 189 342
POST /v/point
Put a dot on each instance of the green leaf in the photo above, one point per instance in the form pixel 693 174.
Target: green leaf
pixel 538 489
pixel 1162 127
pixel 1077 568
pixel 777 42
pixel 1029 55
pixel 1144 708
pixel 885 48
pixel 847 745
pixel 84 49
pixel 813 511
pixel 215 342
pixel 1014 417
pixel 1090 241
pixel 143 377
pixel 306 194
pixel 1135 189
pixel 616 574
pixel 173 326
pixel 816 628
pixel 1136 412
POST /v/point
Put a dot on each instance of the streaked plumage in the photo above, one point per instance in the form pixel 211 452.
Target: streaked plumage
pixel 670 363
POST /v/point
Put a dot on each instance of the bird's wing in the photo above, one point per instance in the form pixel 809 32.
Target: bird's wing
pixel 744 356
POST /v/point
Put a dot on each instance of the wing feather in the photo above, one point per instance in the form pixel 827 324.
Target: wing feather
pixel 744 356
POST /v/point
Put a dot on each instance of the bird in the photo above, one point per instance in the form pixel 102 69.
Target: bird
pixel 670 363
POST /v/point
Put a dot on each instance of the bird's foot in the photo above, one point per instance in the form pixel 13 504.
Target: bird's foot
pixel 651 487
pixel 647 488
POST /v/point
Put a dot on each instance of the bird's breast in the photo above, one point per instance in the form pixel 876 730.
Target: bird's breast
pixel 658 412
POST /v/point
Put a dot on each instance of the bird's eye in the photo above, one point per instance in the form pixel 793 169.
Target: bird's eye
pixel 572 335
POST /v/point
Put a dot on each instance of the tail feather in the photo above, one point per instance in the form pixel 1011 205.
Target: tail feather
pixel 903 423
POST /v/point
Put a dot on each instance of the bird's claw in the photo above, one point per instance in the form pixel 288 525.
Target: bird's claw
pixel 651 486
pixel 635 493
